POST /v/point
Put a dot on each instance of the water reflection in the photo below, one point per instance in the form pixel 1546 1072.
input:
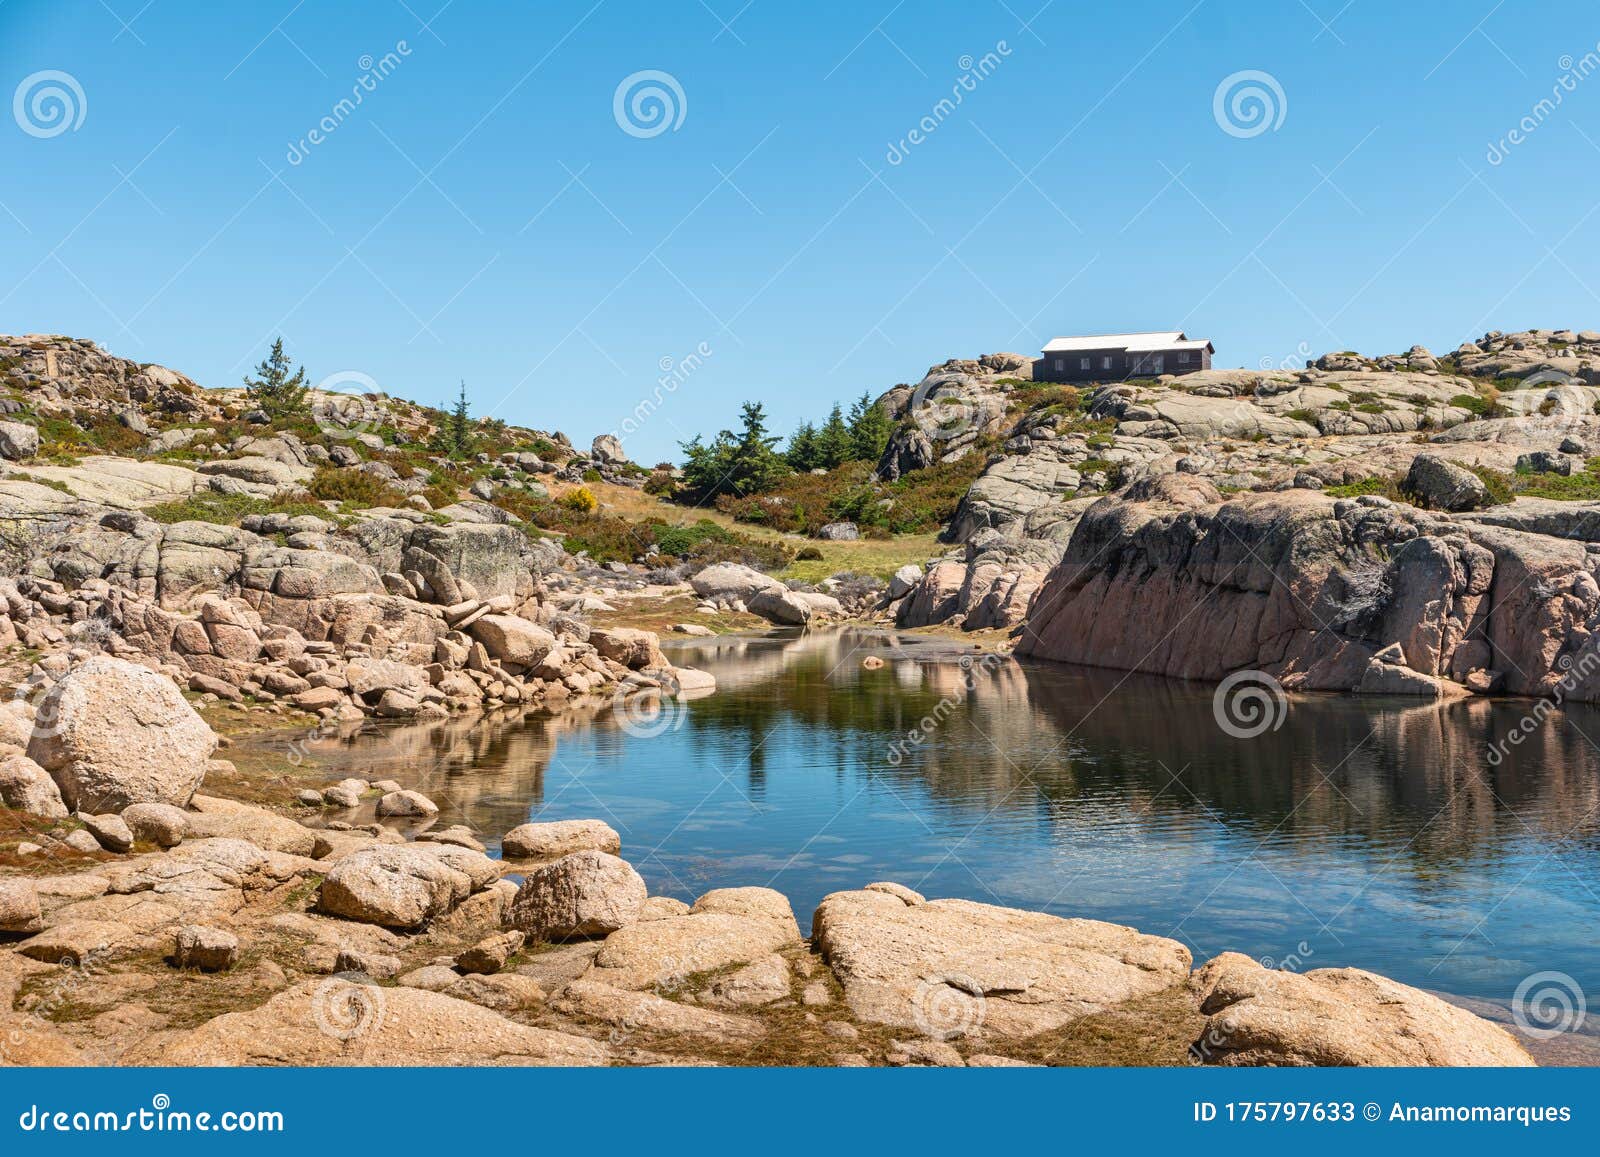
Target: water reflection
pixel 1367 832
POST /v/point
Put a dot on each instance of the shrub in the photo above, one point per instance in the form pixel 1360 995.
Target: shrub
pixel 353 488
pixel 1501 487
pixel 581 500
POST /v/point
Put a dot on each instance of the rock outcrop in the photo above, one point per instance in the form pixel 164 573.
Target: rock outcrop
pixel 1319 593
pixel 953 968
pixel 1336 1017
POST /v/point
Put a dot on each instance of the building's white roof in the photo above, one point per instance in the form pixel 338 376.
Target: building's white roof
pixel 1136 342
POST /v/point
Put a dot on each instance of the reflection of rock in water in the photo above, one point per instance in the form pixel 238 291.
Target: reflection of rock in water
pixel 485 771
pixel 1077 748
pixel 1391 771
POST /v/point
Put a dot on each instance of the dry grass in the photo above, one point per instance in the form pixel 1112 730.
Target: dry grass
pixel 1151 1030
pixel 660 614
pixel 880 557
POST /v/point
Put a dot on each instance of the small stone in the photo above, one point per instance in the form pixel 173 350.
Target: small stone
pixel 81 841
pixel 156 823
pixel 925 1052
pixel 109 831
pixel 341 796
pixel 841 1030
pixel 19 906
pixel 208 949
pixel 559 838
pixel 407 803
pixel 377 965
pixel 308 798
pixel 491 953
pixel 816 994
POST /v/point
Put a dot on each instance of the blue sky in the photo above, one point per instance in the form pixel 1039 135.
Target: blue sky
pixel 482 214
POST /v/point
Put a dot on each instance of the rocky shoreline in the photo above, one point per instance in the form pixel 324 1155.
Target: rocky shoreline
pixel 176 927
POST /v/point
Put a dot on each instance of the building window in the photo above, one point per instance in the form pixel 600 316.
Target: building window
pixel 1105 362
pixel 1183 356
pixel 1083 363
pixel 1061 365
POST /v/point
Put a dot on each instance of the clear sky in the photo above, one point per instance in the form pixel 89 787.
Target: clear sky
pixel 484 212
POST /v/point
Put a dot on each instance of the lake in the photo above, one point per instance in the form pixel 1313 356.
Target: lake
pixel 1361 831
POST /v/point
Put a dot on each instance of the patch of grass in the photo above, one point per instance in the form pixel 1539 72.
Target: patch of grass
pixel 1583 486
pixel 229 509
pixel 1501 487
pixel 1377 484
pixel 1149 1030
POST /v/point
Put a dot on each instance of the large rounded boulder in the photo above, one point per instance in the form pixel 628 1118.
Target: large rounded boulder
pixel 112 733
pixel 584 894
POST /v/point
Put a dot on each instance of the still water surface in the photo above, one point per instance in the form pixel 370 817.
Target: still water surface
pixel 1369 832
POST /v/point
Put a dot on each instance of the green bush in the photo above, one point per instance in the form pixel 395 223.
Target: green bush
pixel 353 488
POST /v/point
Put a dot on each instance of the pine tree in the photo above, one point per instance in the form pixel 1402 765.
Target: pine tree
pixel 274 390
pixel 755 465
pixel 453 438
pixel 743 463
pixel 802 452
pixel 833 440
pixel 870 429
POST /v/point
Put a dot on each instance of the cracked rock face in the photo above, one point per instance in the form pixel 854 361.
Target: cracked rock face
pixel 1322 594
